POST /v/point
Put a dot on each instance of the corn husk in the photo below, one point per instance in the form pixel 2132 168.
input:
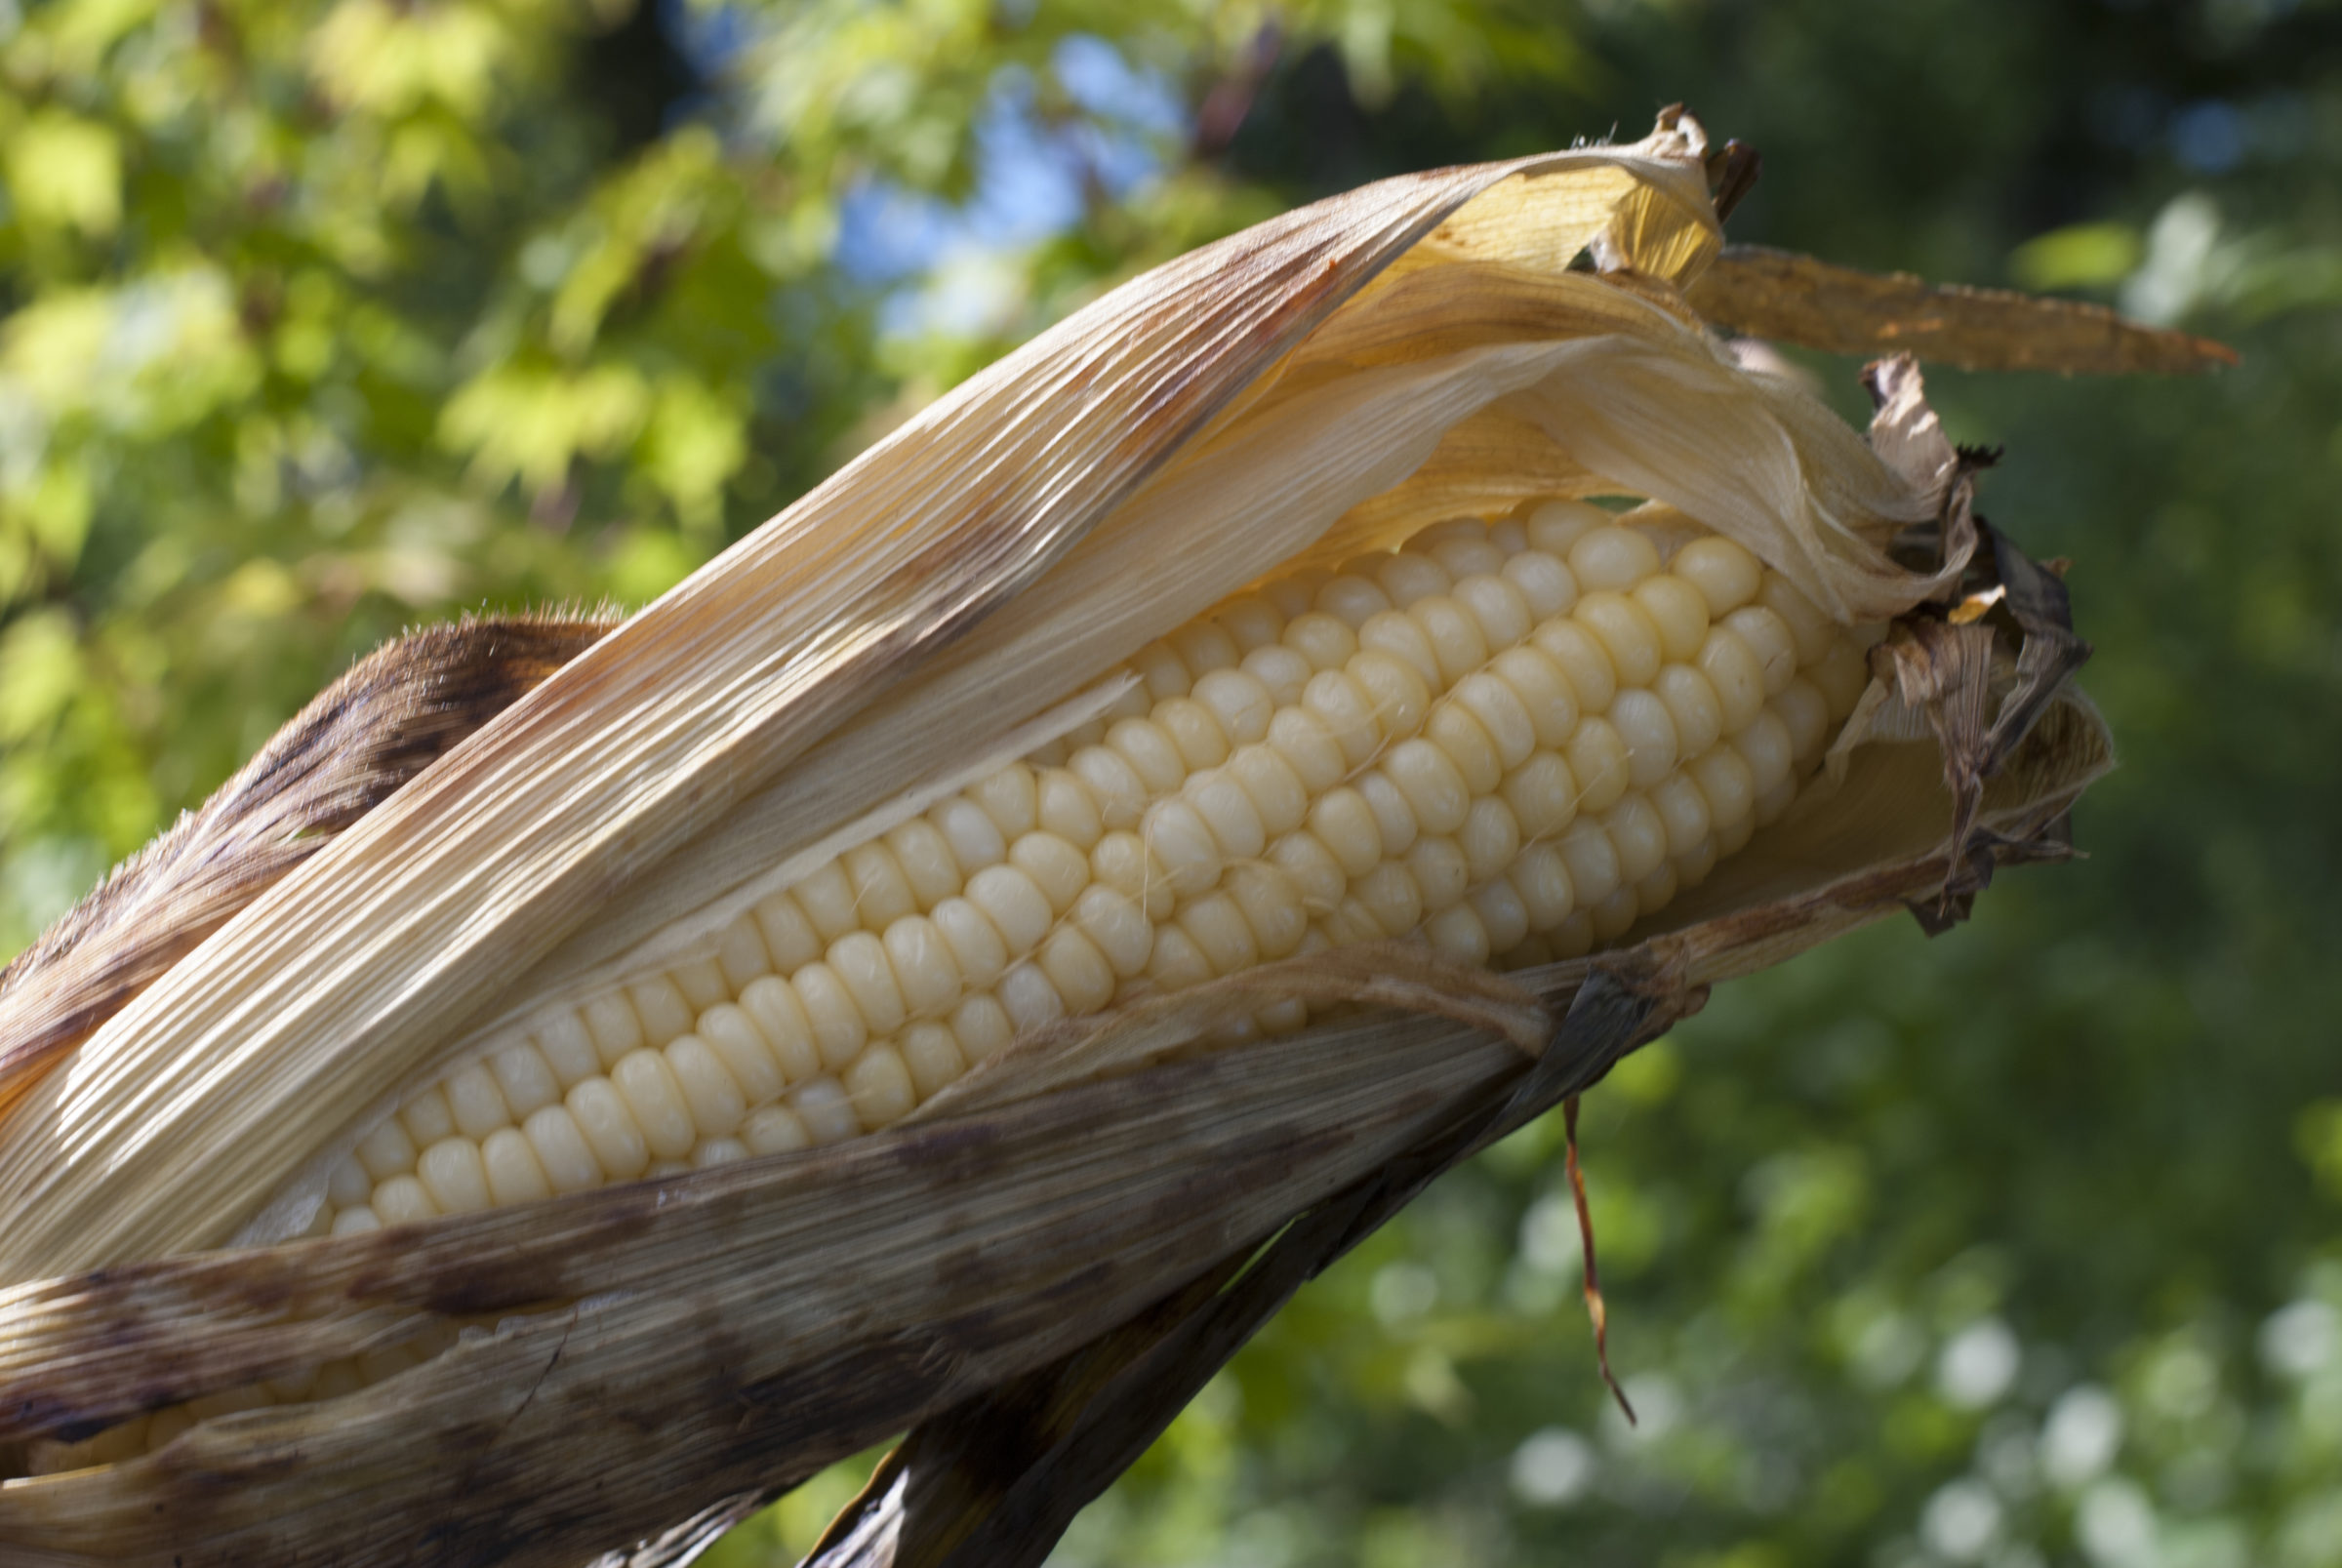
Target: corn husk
pixel 662 1351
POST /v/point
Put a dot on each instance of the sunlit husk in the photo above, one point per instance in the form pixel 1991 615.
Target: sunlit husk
pixel 1327 383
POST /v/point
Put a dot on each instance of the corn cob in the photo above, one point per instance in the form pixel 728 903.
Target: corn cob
pixel 1509 741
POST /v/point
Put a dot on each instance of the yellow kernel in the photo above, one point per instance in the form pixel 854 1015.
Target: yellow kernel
pixel 1239 702
pixel 1160 669
pixel 1644 725
pixel 1598 760
pixel 923 965
pixel 926 860
pixel 1434 792
pixel 1077 971
pixel 1201 743
pixel 823 1109
pixel 1315 873
pixel 978 949
pixel 931 1053
pixel 1767 748
pixel 1466 744
pixel 1059 868
pixel 1294 593
pixel 1542 794
pixel 1408 577
pixel 1682 811
pixel 1437 863
pixel 882 892
pixel 1613 915
pixel 715 1101
pixel 428 1118
pixel 1250 623
pixel 567 1048
pixel 1611 559
pixel 1767 638
pixel 1774 801
pixel 1500 712
pixel 1120 930
pixel 1502 914
pixel 1309 748
pixel 983 1028
pixel 1016 908
pixel 859 961
pixel 1639 836
pixel 403 1200
pixel 1347 712
pixel 1281 673
pixel 1727 782
pixel 567 1161
pixel 355 1221
pixel 773 1005
pixel 1541 878
pixel 1625 632
pixel 1203 648
pixel 1271 907
pixel 829 900
pixel 1592 861
pixel 970 834
pixel 702 982
pixel 1279 797
pixel 788 936
pixel 1400 694
pixel 1580 656
pixel 1341 821
pixel 709 1153
pixel 1228 813
pixel 512 1169
pixel 878 1087
pixel 655 1102
pixel 734 1037
pixel 387 1151
pixel 1009 796
pixel 1326 641
pixel 1497 607
pixel 1542 690
pixel 1457 932
pixel 664 1009
pixel 1733 675
pixel 609 1018
pixel 476 1101
pixel 1353 599
pixel 1457 644
pixel 741 955
pixel 773 1130
pixel 1121 862
pixel 1692 869
pixel 1218 928
pixel 1460 549
pixel 839 1031
pixel 1397 636
pixel 1573 937
pixel 1677 610
pixel 1556 525
pixel 1150 752
pixel 1067 811
pixel 1489 838
pixel 1655 891
pixel 1545 582
pixel 1394 818
pixel 1726 575
pixel 1390 897
pixel 1028 997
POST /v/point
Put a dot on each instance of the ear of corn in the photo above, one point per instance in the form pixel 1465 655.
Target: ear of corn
pixel 1513 739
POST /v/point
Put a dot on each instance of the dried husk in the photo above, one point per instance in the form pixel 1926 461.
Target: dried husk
pixel 1330 380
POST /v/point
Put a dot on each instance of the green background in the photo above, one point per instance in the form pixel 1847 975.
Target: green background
pixel 2015 1247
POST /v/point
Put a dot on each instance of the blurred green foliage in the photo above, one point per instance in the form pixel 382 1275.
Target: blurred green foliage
pixel 2014 1248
